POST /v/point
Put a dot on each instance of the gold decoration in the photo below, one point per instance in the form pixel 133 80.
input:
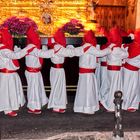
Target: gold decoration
pixel 48 14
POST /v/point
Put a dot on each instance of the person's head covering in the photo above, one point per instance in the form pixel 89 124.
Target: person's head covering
pixel 115 36
pixel 131 34
pixel 137 35
pixel 0 37
pixel 134 48
pixel 6 38
pixel 33 37
pixel 130 31
pixel 89 37
pixel 7 41
pixel 123 33
pixel 59 37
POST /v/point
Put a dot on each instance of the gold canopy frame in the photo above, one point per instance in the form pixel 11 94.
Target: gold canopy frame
pixel 49 14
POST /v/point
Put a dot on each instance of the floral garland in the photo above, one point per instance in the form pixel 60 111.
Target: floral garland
pixel 19 26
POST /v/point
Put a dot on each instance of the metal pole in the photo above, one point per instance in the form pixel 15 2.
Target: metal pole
pixel 118 133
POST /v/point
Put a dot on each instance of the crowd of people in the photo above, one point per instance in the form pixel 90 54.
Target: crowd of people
pixel 102 71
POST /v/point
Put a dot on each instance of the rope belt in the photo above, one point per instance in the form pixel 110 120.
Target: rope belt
pixel 130 67
pixel 104 64
pixel 86 70
pixel 7 71
pixel 58 66
pixel 34 70
pixel 113 67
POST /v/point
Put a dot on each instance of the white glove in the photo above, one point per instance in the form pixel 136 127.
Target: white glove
pixel 111 45
pixel 132 36
pixel 122 46
pixel 70 47
pixel 16 48
pixel 44 47
pixel 98 46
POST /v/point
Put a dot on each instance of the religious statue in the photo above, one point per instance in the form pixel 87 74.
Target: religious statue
pixel 46 18
pixel 46 7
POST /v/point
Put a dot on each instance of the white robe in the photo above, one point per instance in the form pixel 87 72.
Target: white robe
pixel 139 86
pixel 11 92
pixel 131 85
pixel 103 78
pixel 87 100
pixel 58 95
pixel 36 92
pixel 114 80
pixel 98 66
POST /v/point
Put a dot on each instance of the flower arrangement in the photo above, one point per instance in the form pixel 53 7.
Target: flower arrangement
pixel 19 26
pixel 73 27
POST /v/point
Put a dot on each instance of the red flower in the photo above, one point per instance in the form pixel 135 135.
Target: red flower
pixel 19 26
pixel 73 27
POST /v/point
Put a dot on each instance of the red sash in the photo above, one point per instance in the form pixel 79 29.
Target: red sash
pixel 58 66
pixel 86 70
pixel 114 68
pixel 103 63
pixel 33 70
pixel 130 67
pixel 7 71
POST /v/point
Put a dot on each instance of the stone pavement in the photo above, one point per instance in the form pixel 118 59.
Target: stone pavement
pixel 94 136
pixel 89 136
pixel 67 126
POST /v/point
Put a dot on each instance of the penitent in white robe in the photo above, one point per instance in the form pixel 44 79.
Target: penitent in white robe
pixel 11 92
pixel 58 95
pixel 114 80
pixel 87 99
pixel 131 85
pixel 36 92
